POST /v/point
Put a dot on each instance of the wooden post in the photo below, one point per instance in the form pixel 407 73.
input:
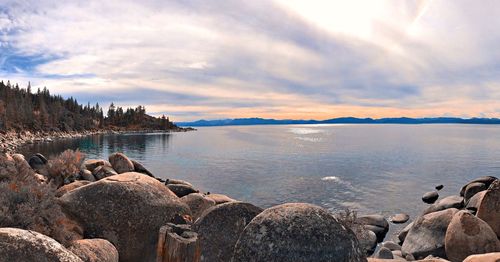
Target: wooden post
pixel 177 243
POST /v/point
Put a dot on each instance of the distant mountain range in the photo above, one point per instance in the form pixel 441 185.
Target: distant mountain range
pixel 342 120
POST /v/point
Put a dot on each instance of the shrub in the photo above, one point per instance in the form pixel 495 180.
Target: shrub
pixel 28 204
pixel 65 167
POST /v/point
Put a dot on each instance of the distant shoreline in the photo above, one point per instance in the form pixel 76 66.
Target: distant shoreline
pixel 343 120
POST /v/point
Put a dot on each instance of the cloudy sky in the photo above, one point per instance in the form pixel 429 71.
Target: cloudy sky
pixel 214 59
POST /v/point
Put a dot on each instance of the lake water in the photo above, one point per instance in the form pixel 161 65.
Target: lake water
pixel 371 168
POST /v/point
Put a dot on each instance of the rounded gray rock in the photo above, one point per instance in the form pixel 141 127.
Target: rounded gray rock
pixel 121 163
pixel 427 235
pixel 367 239
pixel 474 188
pixel 297 232
pixel 445 203
pixel 487 180
pixel 430 197
pixel 181 189
pixel 91 164
pixel 399 218
pixel 489 208
pixel 87 175
pixel 198 203
pixel 126 209
pixel 219 228
pixel 384 253
pixel 19 245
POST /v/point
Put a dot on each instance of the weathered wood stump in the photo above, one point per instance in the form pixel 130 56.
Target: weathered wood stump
pixel 177 243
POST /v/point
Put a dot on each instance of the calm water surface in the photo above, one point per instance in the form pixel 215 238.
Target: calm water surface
pixel 372 168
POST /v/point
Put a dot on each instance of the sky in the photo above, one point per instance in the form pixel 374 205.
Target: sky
pixel 283 59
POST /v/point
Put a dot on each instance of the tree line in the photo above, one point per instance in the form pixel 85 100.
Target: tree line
pixel 24 109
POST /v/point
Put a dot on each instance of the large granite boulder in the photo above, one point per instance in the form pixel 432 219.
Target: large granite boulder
pixel 404 232
pixel 219 228
pixel 474 188
pixel 427 235
pixel 297 232
pixel 445 203
pixel 181 189
pixel 138 167
pixel 367 239
pixel 126 209
pixel 198 203
pixel 468 235
pixel 94 250
pixel 475 201
pixel 121 163
pixel 19 245
pixel 489 209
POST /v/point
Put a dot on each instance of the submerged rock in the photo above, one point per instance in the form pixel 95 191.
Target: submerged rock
pixel 220 227
pixel 468 235
pixel 126 209
pixel 121 163
pixel 427 235
pixel 430 197
pixel 297 232
pixel 94 250
pixel 19 245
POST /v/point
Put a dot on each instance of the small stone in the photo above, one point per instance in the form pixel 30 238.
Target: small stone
pixel 439 187
pixel 399 218
pixel 430 197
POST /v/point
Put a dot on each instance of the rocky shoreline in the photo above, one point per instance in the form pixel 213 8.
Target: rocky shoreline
pixel 117 210
pixel 11 140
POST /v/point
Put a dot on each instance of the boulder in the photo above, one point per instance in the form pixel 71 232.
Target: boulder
pixel 197 203
pixel 87 175
pixel 66 188
pixel 427 235
pixel 103 171
pixel 91 164
pixel 489 257
pixel 430 197
pixel 19 245
pixel 468 235
pixel 399 218
pixel 94 250
pixel 391 245
pixel 220 198
pixel 402 235
pixel 376 223
pixel 297 232
pixel 445 203
pixel 177 181
pixel 37 161
pixel 384 253
pixel 182 190
pixel 367 240
pixel 473 188
pixel 220 227
pixel 138 167
pixel 487 180
pixel 489 209
pixel 126 209
pixel 475 201
pixel 121 163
